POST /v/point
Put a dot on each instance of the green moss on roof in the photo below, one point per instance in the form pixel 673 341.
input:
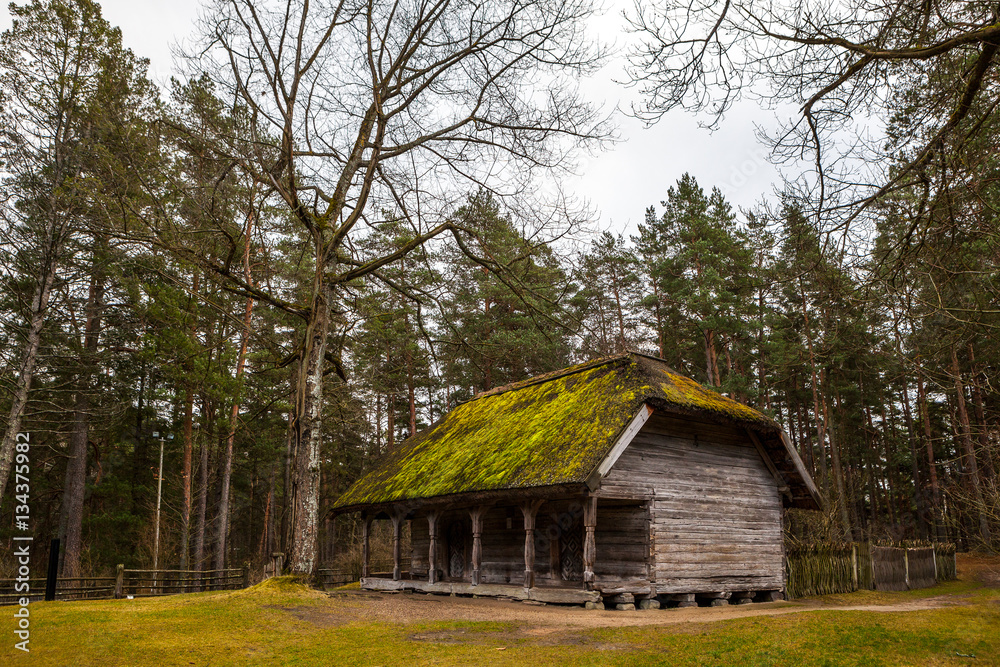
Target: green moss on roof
pixel 552 429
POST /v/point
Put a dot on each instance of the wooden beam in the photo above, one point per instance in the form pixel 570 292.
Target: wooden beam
pixel 529 510
pixel 783 487
pixel 398 517
pixel 624 438
pixel 432 525
pixel 589 541
pixel 366 523
pixel 803 473
pixel 476 514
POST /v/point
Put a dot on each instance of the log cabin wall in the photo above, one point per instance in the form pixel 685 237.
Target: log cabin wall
pixel 622 540
pixel 715 508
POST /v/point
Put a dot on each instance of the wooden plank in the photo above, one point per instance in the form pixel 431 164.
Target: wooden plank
pixel 621 444
pixel 778 477
pixel 556 595
pixel 801 469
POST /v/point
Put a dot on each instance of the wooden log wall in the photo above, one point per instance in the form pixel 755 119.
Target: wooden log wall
pixel 623 543
pixel 716 512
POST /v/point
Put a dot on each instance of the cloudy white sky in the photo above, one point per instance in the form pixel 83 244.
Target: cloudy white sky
pixel 620 183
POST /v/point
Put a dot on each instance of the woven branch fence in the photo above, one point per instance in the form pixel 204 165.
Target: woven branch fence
pixel 822 569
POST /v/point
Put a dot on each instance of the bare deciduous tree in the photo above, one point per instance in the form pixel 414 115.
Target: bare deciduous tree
pixel 357 107
pixel 852 67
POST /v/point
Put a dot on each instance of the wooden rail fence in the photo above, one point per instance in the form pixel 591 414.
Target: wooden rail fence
pixel 134 583
pixel 822 569
pixel 327 578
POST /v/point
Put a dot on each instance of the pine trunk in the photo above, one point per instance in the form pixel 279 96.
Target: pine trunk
pixel 208 415
pixel 76 468
pixel 984 454
pixel 222 522
pixel 188 439
pixel 925 417
pixel 22 387
pixel 971 467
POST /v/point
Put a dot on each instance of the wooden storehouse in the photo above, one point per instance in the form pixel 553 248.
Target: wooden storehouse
pixel 614 480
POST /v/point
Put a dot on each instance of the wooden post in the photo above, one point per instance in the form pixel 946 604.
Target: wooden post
pixel 366 523
pixel 650 549
pixel 120 582
pixel 246 575
pixel 432 526
pixel 277 563
pixel 397 527
pixel 906 566
pixel 476 514
pixel 854 567
pixel 529 510
pixel 934 553
pixel 589 543
pixel 871 563
pixel 53 573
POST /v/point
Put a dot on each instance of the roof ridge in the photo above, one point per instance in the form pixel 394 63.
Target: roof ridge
pixel 551 375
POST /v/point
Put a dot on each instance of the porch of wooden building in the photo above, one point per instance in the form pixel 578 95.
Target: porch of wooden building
pixel 566 549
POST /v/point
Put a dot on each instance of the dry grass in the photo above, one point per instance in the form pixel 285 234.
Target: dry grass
pixel 282 622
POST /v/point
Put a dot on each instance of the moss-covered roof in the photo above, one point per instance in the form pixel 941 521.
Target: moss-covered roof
pixel 550 430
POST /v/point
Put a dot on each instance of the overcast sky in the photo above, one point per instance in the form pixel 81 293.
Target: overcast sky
pixel 620 183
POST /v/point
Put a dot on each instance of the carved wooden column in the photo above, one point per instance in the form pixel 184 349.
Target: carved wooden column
pixel 432 526
pixel 397 524
pixel 530 510
pixel 366 523
pixel 476 514
pixel 589 544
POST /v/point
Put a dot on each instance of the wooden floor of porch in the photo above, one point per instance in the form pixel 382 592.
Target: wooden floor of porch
pixel 549 594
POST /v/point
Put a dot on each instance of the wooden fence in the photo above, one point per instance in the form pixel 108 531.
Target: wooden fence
pixel 146 583
pixel 822 569
pixel 328 578
pixel 70 588
pixel 135 583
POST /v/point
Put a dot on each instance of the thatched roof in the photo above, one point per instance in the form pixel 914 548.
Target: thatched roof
pixel 554 429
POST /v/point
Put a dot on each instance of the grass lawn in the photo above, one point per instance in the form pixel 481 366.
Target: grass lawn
pixel 281 622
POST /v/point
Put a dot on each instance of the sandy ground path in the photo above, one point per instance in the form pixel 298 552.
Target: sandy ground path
pixel 406 608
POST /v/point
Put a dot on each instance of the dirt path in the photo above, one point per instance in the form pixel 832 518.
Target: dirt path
pixel 351 606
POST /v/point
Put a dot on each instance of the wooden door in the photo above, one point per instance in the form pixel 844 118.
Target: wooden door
pixel 456 549
pixel 571 553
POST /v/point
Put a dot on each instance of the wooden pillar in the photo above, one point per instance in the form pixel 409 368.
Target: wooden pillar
pixel 589 544
pixel 366 523
pixel 529 510
pixel 397 526
pixel 432 526
pixel 476 514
